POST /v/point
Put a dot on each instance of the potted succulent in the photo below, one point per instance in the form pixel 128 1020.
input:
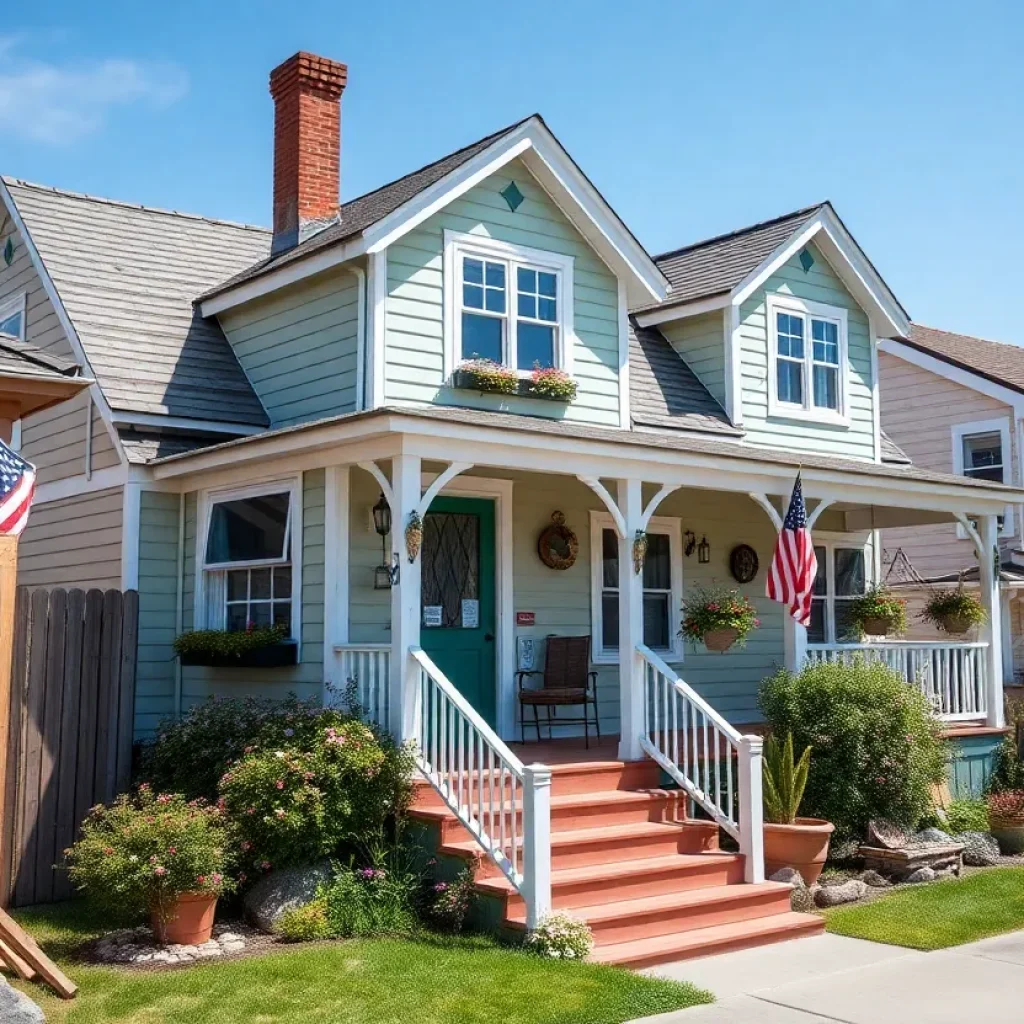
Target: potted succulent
pixel 879 612
pixel 485 375
pixel 253 647
pixel 155 854
pixel 1006 819
pixel 555 385
pixel 718 618
pixel 790 841
pixel 954 611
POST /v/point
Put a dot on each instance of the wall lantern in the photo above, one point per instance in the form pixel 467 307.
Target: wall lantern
pixel 384 576
pixel 690 543
pixel 703 551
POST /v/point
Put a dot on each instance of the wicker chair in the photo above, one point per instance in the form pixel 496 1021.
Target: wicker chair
pixel 568 681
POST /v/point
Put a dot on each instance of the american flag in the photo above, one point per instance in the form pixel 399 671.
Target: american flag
pixel 791 580
pixel 17 486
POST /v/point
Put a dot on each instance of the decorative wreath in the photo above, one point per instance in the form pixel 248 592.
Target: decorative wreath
pixel 558 545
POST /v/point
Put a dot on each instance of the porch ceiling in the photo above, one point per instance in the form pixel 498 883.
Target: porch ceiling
pixel 507 441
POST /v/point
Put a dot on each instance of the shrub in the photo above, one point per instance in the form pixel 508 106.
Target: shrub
pixel 1007 767
pixel 877 748
pixel 946 605
pixel 449 903
pixel 879 602
pixel 717 608
pixel 552 383
pixel 368 901
pixel 966 816
pixel 306 923
pixel 228 643
pixel 138 855
pixel 561 936
pixel 784 780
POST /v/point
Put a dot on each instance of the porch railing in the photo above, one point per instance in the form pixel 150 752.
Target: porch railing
pixel 951 675
pixel 705 756
pixel 368 667
pixel 504 804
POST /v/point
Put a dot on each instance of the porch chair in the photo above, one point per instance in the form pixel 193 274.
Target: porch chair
pixel 568 681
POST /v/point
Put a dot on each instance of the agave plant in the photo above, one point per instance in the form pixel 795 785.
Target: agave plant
pixel 784 780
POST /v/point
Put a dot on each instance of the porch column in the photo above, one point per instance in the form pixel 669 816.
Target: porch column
pixel 993 629
pixel 794 643
pixel 631 625
pixel 405 600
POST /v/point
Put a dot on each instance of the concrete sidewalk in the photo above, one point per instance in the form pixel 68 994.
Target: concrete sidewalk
pixel 834 979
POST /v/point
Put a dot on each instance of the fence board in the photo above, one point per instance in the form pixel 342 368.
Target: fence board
pixel 85 782
pixel 126 699
pixel 19 684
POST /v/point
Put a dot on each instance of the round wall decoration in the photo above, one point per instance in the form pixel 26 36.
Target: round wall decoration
pixel 557 545
pixel 743 563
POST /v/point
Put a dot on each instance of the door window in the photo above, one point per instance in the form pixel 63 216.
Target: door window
pixel 451 568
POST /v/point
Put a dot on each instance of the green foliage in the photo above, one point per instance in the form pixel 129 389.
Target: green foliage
pixel 449 903
pixel 784 780
pixel 712 608
pixel 1007 767
pixel 953 604
pixel 306 923
pixel 562 937
pixel 879 602
pixel 228 643
pixel 552 383
pixel 487 375
pixel 362 902
pixel 966 816
pixel 139 854
pixel 877 748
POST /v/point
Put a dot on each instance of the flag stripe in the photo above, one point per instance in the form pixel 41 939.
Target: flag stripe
pixel 794 566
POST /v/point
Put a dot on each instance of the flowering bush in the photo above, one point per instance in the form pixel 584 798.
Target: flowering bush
pixel 954 608
pixel 720 608
pixel 487 375
pixel 1007 767
pixel 551 383
pixel 879 607
pixel 226 643
pixel 138 855
pixel 561 936
pixel 449 903
pixel 1006 808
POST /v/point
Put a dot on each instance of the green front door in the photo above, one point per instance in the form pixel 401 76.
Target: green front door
pixel 458 597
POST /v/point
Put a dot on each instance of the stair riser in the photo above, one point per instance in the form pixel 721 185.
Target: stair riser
pixel 614 851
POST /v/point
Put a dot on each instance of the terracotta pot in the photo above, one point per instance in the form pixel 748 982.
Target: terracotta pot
pixel 720 639
pixel 189 920
pixel 956 625
pixel 875 627
pixel 1009 833
pixel 802 845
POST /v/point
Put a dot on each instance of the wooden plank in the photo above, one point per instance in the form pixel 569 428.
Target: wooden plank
pixel 67 825
pixel 8 600
pixel 24 970
pixel 49 754
pixel 24 945
pixel 126 701
pixel 106 724
pixel 85 777
pixel 19 682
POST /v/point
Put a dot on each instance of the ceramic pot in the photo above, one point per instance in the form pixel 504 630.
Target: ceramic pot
pixel 189 920
pixel 1009 833
pixel 802 845
pixel 720 639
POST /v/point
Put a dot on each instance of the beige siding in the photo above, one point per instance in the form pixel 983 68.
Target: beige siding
pixel 919 411
pixel 73 542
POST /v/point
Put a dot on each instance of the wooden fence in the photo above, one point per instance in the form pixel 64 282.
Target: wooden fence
pixel 71 722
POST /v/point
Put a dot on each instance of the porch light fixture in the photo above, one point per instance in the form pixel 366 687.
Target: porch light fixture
pixel 704 551
pixel 384 575
pixel 691 542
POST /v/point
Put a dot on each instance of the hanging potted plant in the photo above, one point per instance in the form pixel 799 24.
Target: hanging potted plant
pixel 486 376
pixel 253 647
pixel 879 612
pixel 1006 819
pixel 954 611
pixel 718 618
pixel 790 841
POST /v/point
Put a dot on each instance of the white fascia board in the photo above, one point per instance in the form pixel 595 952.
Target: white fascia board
pixel 680 311
pixel 124 418
pixel 956 374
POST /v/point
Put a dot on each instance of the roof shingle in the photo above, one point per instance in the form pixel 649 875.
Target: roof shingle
pixel 997 361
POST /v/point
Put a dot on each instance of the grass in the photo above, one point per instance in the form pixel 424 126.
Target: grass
pixel 947 913
pixel 430 980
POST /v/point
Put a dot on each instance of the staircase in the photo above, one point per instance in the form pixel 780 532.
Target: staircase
pixel 653 886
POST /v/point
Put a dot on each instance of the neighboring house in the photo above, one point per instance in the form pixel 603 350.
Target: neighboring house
pixel 258 392
pixel 955 403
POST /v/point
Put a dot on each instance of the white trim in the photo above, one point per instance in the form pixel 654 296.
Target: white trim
pixel 733 364
pixel 1003 427
pixel 72 486
pixel 16 304
pixel 625 418
pixel 670 525
pixel 780 303
pixel 360 275
pixel 16 437
pixel 122 417
pixel 876 391
pixel 669 311
pixel 130 516
pixel 458 244
pixel 609 503
pixel 440 482
pixel 88 437
pixel 377 291
pixel 337 545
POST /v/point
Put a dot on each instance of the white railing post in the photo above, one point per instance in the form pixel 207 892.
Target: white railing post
pixel 631 626
pixel 536 842
pixel 751 816
pixel 993 628
pixel 405 601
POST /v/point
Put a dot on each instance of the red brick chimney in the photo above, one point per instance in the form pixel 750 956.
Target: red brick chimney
pixel 307 146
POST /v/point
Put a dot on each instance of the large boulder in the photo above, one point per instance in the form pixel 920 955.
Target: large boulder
pixel 980 849
pixel 875 880
pixel 281 891
pixel 933 835
pixel 920 875
pixel 834 895
pixel 16 1007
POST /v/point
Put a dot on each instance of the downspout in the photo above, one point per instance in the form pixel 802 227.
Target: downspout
pixel 179 602
pixel 361 346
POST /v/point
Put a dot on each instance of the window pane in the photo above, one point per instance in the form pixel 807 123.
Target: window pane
pixel 851 580
pixel 791 382
pixel 657 564
pixel 790 335
pixel 816 630
pixel 472 271
pixel 12 324
pixel 983 456
pixel 283 581
pixel 481 337
pixel 495 300
pixel 826 341
pixel 527 305
pixel 259 584
pixel 826 387
pixel 283 614
pixel 609 621
pixel 820 581
pixel 609 558
pixel 259 614
pixel 535 345
pixel 473 296
pixel 845 628
pixel 547 309
pixel 238 584
pixel 496 275
pixel 248 530
pixel 526 280
pixel 237 618
pixel 656 624
pixel 547 284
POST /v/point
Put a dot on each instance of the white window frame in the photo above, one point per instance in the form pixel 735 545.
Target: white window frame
pixel 830 541
pixel 457 245
pixel 17 304
pixel 790 304
pixel 958 432
pixel 205 617
pixel 670 525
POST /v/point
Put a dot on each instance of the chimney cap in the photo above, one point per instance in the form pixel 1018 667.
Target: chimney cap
pixel 308 71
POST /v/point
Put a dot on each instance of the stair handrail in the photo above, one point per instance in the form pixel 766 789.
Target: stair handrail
pixel 676 717
pixel 465 761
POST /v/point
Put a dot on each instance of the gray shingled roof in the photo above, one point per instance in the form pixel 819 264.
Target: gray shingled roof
pixel 892 452
pixel 998 361
pixel 127 276
pixel 144 446
pixel 17 357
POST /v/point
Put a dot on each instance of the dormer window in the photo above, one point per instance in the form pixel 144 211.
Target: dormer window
pixel 12 317
pixel 507 303
pixel 806 360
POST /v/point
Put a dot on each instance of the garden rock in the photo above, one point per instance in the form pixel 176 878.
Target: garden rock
pixel 17 1008
pixel 788 875
pixel 933 835
pixel 847 892
pixel 980 849
pixel 801 900
pixel 920 875
pixel 133 946
pixel 284 890
pixel 875 880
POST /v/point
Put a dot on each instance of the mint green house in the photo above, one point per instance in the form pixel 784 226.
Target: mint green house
pixel 292 427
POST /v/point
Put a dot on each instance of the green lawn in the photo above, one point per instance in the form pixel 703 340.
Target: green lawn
pixel 935 916
pixel 430 981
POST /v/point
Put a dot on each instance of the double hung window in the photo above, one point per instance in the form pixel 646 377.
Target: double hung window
pixel 982 451
pixel 841 577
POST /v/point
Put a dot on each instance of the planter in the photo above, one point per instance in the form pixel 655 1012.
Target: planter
pixel 190 921
pixel 1009 833
pixel 463 380
pixel 720 639
pixel 272 656
pixel 875 627
pixel 802 845
pixel 955 625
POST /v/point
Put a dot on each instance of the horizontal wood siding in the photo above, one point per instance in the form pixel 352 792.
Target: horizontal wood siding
pixel 73 542
pixel 298 348
pixel 819 284
pixel 700 340
pixel 414 371
pixel 54 439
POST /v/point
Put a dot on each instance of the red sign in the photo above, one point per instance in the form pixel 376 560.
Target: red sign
pixel 526 618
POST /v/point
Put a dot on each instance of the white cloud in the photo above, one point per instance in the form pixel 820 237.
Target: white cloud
pixel 56 104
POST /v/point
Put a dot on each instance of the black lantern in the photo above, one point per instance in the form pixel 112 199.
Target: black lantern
pixel 383 578
pixel 690 543
pixel 704 551
pixel 382 517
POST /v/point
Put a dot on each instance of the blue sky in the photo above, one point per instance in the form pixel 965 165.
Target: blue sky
pixel 693 119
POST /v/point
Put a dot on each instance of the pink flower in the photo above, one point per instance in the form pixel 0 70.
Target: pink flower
pixel 279 813
pixel 172 850
pixel 246 845
pixel 216 878
pixel 280 783
pixel 201 880
pixel 242 876
pixel 108 850
pixel 265 865
pixel 159 871
pixel 441 887
pixel 163 798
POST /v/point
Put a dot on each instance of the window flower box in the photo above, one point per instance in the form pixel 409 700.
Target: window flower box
pixel 253 648
pixel 487 377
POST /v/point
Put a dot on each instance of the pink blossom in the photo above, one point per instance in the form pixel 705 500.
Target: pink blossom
pixel 108 850
pixel 279 813
pixel 280 783
pixel 265 865
pixel 159 871
pixel 441 887
pixel 246 845
pixel 201 880
pixel 163 798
